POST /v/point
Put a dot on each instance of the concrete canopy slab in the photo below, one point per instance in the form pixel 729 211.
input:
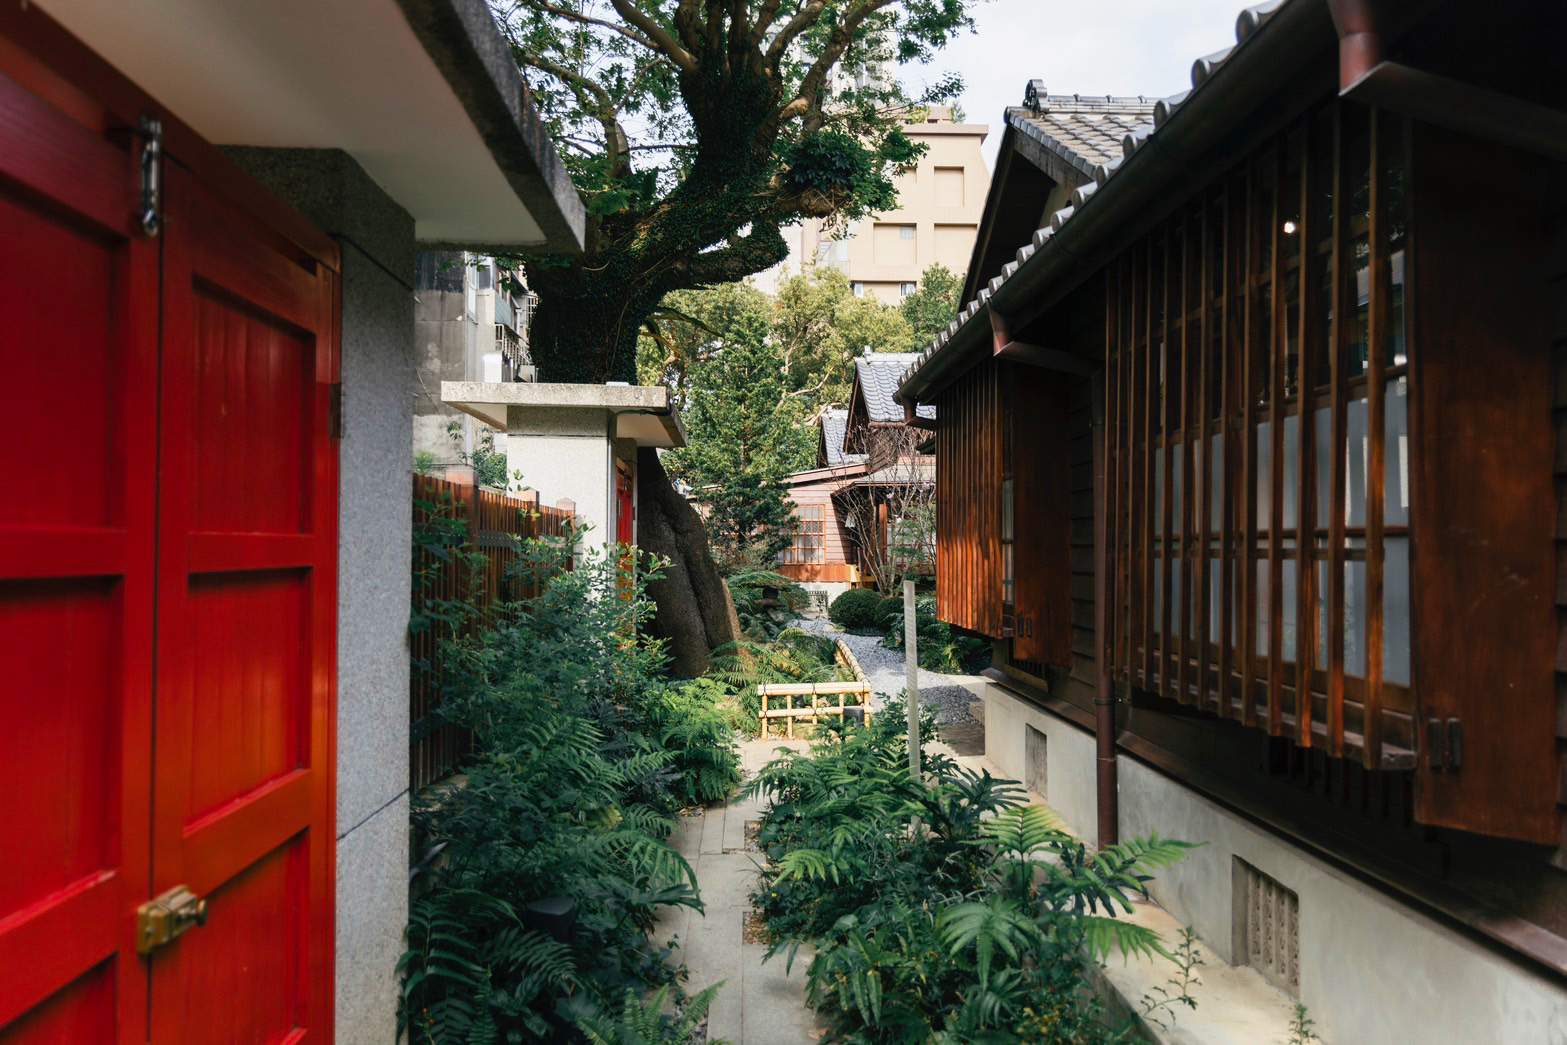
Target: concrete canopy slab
pixel 423 94
pixel 641 413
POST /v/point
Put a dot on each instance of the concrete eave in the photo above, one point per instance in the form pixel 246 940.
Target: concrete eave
pixel 641 413
pixel 423 94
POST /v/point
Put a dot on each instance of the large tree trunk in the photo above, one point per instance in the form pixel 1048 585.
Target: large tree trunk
pixel 584 328
pixel 695 613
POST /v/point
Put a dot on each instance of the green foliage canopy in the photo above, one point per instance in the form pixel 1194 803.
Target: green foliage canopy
pixel 696 129
pixel 933 304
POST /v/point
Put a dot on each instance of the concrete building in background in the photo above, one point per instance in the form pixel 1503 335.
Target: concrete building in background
pixel 467 327
pixel 940 205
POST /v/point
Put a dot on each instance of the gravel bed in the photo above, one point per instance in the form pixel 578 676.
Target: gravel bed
pixel 886 671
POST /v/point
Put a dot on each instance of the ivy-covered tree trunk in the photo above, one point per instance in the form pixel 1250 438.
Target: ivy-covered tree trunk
pixel 585 325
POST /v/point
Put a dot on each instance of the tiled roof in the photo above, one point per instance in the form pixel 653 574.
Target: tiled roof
pixel 1103 173
pixel 880 374
pixel 834 424
pixel 1083 131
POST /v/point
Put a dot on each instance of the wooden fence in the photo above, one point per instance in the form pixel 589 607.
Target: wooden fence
pixel 465 540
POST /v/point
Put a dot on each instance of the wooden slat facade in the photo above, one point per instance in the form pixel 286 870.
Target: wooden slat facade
pixel 968 502
pixel 1288 546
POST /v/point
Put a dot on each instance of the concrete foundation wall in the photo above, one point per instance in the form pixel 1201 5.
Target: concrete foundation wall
pixel 374 548
pixel 1373 970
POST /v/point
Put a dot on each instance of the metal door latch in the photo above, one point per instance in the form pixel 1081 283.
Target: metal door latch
pixel 151 216
pixel 161 919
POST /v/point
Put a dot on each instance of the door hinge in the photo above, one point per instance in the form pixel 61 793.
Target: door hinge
pixel 334 410
pixel 150 128
pixel 162 919
pixel 1445 740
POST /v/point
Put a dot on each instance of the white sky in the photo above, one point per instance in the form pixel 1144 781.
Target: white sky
pixel 1123 47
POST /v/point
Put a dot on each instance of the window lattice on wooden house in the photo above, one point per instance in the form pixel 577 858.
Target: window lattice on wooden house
pixel 1267 927
pixel 805 545
pixel 1260 498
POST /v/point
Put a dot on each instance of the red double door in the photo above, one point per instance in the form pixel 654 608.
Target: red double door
pixel 167 602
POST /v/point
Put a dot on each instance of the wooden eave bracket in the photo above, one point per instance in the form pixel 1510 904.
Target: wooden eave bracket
pixel 1459 106
pixel 1004 347
pixel 914 420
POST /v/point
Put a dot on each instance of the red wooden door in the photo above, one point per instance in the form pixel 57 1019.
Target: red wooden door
pixel 242 785
pixel 78 350
pixel 167 602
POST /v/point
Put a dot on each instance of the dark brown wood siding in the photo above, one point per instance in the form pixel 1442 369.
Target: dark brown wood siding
pixel 968 502
pixel 1041 448
pixel 1485 450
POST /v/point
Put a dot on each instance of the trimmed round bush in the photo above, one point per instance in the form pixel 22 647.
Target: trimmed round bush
pixel 860 608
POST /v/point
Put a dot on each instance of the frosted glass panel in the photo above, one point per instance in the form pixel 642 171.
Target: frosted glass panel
pixel 1177 467
pixel 1356 453
pixel 1199 484
pixel 1262 608
pixel 1216 509
pixel 1291 468
pixel 1355 619
pixel 1324 428
pixel 1264 475
pixel 1158 491
pixel 1395 610
pixel 1215 599
pixel 1158 595
pixel 1395 451
pixel 1287 583
pixel 1175 596
pixel 1322 614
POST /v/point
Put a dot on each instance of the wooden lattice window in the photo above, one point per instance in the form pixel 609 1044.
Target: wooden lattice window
pixel 805 544
pixel 1259 435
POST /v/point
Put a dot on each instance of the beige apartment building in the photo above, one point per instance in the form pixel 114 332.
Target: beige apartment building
pixel 940 205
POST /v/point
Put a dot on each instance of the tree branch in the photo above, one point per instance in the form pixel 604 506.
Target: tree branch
pixel 803 19
pixel 759 249
pixel 657 34
pixel 608 116
pixel 581 19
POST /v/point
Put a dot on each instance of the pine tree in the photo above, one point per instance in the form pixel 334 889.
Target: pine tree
pixel 746 436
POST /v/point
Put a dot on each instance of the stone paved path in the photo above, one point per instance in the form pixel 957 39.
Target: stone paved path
pixel 758 1004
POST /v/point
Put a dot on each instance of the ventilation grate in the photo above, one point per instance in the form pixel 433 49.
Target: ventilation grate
pixel 1267 924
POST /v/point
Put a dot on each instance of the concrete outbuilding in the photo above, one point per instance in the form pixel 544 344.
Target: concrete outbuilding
pixel 577 442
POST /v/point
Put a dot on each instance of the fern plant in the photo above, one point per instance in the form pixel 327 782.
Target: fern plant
pixel 978 926
pixel 582 751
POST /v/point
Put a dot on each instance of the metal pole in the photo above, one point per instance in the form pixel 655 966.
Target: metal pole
pixel 912 675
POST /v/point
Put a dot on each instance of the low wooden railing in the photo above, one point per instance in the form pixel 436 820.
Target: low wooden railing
pixel 816 691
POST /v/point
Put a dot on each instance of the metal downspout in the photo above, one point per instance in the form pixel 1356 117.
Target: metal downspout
pixel 1359 39
pixel 1104 693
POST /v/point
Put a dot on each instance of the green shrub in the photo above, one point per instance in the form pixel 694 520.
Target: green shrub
pixel 980 926
pixel 860 609
pixel 940 648
pixel 581 752
pixel 766 603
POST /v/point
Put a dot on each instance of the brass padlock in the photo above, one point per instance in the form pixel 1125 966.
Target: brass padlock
pixel 165 917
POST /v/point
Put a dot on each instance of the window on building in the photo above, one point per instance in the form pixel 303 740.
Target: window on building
pixel 1259 426
pixel 905 232
pixel 905 289
pixel 858 288
pixel 805 545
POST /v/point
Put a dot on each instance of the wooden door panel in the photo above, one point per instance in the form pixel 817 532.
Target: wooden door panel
pixel 247 551
pixel 78 343
pixel 239 978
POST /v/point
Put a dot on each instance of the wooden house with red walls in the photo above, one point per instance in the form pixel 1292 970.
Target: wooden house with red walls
pixel 821 556
pixel 209 217
pixel 1250 469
